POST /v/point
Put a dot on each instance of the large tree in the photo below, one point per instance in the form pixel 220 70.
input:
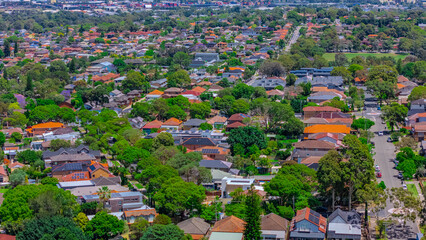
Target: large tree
pixel 330 174
pixel 55 227
pixel 159 231
pixel 247 137
pixel 382 81
pixel 179 78
pixel 252 215
pixel 104 226
pixel 177 197
pixel 394 114
pixel 358 171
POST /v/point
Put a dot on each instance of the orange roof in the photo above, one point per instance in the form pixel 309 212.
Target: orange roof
pixel 153 124
pixel 229 224
pixel 319 128
pixel 143 212
pixel 156 92
pixel 45 125
pixel 198 89
pixel 48 125
pixel 76 176
pixel 399 85
pixel 172 122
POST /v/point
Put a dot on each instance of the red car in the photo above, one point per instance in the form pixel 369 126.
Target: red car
pixel 379 175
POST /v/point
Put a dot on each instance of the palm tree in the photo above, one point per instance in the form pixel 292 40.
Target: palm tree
pixel 104 195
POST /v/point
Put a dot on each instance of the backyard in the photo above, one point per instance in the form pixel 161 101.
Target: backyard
pixel 412 188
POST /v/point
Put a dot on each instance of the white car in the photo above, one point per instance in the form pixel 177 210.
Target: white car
pixel 380 133
pixel 404 186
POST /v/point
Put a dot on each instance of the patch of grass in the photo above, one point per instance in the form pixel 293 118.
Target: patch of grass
pixel 116 163
pixel 289 141
pixel 330 56
pixel 138 185
pixel 3 190
pixel 412 188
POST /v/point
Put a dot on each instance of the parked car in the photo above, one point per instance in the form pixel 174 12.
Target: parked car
pixel 378 174
pixel 389 139
pixel 378 108
pixel 380 133
pixel 400 175
pixel 377 168
pixel 404 186
pixel 396 162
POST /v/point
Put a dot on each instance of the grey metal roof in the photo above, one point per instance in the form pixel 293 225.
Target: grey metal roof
pixel 79 149
pixel 215 164
pixel 194 122
pixel 307 235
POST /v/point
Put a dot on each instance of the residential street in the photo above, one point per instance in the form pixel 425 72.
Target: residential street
pixel 384 154
pixel 293 39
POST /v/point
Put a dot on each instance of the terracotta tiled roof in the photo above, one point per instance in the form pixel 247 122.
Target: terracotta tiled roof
pixel 76 176
pixel 45 125
pixel 153 124
pixel 172 122
pixel 16 164
pixel 235 125
pixel 198 89
pixel 216 119
pixel 321 109
pixel 3 171
pixel 229 224
pixel 327 129
pixel 143 212
pixel 156 92
pixel 311 216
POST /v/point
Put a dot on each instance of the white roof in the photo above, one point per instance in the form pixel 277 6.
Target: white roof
pixel 344 228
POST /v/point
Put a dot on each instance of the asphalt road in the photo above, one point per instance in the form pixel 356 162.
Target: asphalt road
pixel 293 39
pixel 384 154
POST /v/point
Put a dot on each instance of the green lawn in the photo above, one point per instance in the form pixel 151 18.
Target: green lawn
pixel 3 190
pixel 289 141
pixel 412 188
pixel 117 164
pixel 138 185
pixel 330 56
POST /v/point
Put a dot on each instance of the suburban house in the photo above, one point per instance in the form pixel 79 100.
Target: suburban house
pixel 230 184
pixel 324 128
pixel 268 83
pixel 274 227
pixel 172 124
pixel 344 225
pixel 40 129
pixel 4 177
pixel 198 142
pixel 237 117
pixel 419 131
pixel 146 213
pixel 195 226
pixel 309 148
pixel 308 224
pixel 214 153
pixel 119 201
pixel 192 123
pixel 147 128
pixel 310 111
pixel 229 228
pixel 217 122
pixel 154 95
pixel 216 164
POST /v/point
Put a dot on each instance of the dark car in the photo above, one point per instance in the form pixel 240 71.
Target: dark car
pixel 400 175
pixel 389 139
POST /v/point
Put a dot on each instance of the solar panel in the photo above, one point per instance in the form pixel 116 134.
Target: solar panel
pixel 315 214
pixel 313 219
